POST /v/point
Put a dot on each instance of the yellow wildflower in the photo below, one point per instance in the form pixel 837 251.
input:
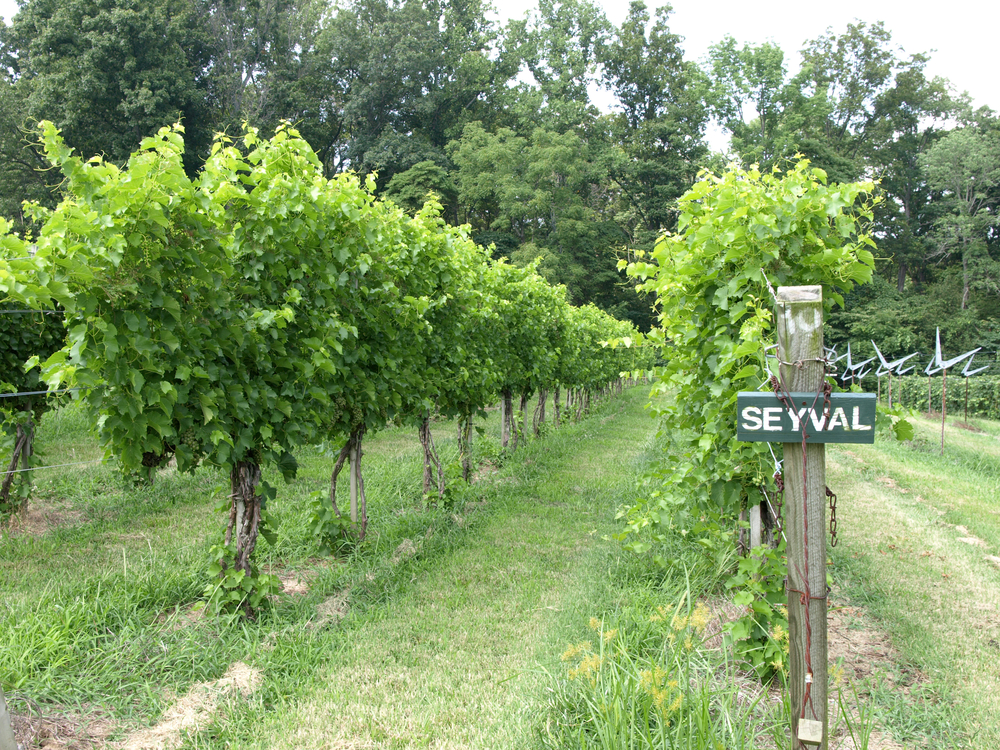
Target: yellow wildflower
pixel 595 624
pixel 837 675
pixel 608 635
pixel 574 649
pixel 779 634
pixel 700 617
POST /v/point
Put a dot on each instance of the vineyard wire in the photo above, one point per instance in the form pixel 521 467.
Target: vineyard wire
pixel 59 466
pixel 46 393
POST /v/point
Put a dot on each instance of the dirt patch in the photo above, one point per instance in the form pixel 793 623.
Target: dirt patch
pixel 194 710
pixel 38 519
pixel 860 649
pixel 331 610
pixel 968 426
pixel 60 728
pixel 404 551
pixel 182 617
pixel 968 537
pixel 485 469
pixel 294 581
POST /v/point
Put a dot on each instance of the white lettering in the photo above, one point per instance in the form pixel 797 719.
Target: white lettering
pixel 819 425
pixel 797 418
pixel 839 419
pixel 772 419
pixel 857 420
pixel 751 418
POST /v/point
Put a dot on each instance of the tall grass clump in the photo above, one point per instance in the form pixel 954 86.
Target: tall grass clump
pixel 652 676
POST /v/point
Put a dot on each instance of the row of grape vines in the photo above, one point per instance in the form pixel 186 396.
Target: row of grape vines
pixel 232 318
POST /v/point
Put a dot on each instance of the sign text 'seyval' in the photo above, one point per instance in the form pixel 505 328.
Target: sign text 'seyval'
pixel 850 418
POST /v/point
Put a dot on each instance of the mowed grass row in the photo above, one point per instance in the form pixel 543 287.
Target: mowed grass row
pixel 98 614
pixel 454 662
pixel 920 550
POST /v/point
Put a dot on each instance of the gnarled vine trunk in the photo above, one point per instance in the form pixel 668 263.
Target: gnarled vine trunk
pixel 523 422
pixel 465 447
pixel 244 513
pixel 506 407
pixel 543 396
pixel 352 453
pixel 431 459
pixel 23 444
pixel 555 404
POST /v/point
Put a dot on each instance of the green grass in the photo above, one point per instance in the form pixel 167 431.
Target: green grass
pixel 97 609
pixel 918 533
pixel 455 618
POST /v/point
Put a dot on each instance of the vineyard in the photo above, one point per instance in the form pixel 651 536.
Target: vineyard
pixel 201 336
pixel 232 319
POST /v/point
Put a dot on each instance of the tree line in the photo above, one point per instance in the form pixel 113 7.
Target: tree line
pixel 500 122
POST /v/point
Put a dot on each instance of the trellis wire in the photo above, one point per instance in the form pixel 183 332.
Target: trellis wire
pixel 58 466
pixel 44 393
pixel 31 312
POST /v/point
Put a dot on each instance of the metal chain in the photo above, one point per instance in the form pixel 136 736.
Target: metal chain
pixel 833 516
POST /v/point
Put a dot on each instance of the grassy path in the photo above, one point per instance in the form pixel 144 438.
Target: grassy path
pixel 453 662
pixel 430 635
pixel 920 550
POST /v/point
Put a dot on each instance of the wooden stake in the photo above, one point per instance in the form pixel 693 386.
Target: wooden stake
pixel 967 401
pixel 799 317
pixel 7 741
pixel 944 405
pixel 755 526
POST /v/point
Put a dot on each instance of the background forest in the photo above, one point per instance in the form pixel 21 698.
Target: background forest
pixel 503 123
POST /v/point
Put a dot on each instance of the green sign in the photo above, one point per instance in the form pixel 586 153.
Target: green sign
pixel 761 417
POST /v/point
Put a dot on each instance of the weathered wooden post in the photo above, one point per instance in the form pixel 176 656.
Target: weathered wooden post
pixel 802 417
pixel 7 741
pixel 799 318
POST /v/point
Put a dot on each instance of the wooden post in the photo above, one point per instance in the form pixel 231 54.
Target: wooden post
pixel 756 527
pixel 944 405
pixel 799 317
pixel 7 741
pixel 966 400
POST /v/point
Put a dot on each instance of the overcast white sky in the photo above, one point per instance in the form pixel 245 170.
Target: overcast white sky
pixel 962 44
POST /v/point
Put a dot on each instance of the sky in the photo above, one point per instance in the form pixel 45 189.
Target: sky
pixel 960 43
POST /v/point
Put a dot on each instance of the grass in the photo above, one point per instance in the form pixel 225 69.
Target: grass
pixel 98 598
pixel 448 627
pixel 920 540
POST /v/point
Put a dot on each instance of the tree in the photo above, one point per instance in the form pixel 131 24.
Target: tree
pixel 405 77
pixel 112 72
pixel 560 44
pixel 838 100
pixel 657 139
pixel 964 166
pixel 912 113
pixel 747 87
